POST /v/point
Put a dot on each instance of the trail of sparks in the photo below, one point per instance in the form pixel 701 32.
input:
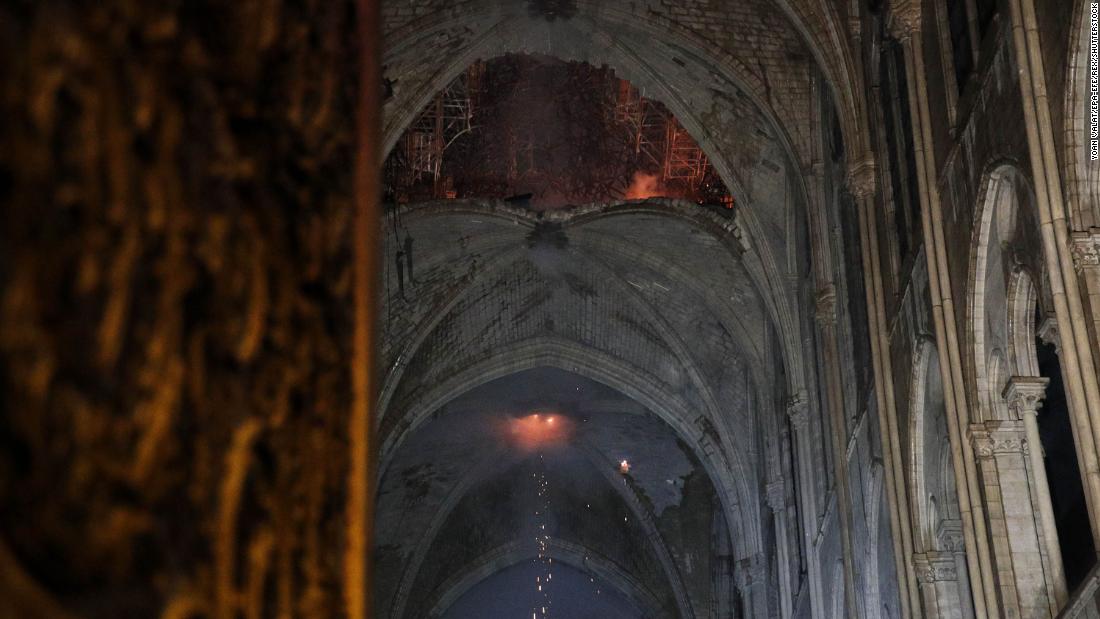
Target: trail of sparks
pixel 542 540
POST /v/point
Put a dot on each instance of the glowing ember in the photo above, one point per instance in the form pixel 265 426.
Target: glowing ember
pixel 624 467
pixel 539 430
pixel 644 186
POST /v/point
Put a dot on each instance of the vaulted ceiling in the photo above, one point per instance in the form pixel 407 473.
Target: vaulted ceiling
pixel 458 499
pixel 669 330
pixel 639 320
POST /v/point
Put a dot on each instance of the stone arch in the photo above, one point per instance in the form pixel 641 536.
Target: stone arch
pixel 629 495
pixel 922 359
pixel 423 546
pixel 723 586
pixel 1005 192
pixel 515 33
pixel 649 524
pixel 1023 299
pixel 838 601
pixel 774 281
pixel 589 41
pixel 872 508
pixel 934 515
pixel 933 487
pixel 819 29
pixel 572 554
pixel 602 29
pixel 996 375
pixel 1082 174
pixel 729 235
pixel 738 497
pixel 724 232
pixel 950 510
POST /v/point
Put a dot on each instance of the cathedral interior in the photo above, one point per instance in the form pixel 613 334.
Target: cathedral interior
pixel 560 309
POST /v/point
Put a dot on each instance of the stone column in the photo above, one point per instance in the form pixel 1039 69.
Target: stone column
pixel 941 572
pixel 1085 248
pixel 725 603
pixel 1014 530
pixel 1064 258
pixel 938 575
pixel 798 413
pixel 775 493
pixel 950 536
pixel 752 576
pixel 1024 395
pixel 834 386
pixel 861 184
pixel 905 24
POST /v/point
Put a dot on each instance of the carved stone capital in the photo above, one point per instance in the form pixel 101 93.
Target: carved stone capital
pixel 932 567
pixel 1048 332
pixel 825 308
pixel 861 179
pixel 904 19
pixel 798 411
pixel 950 535
pixel 855 24
pixel 1024 394
pixel 998 437
pixel 775 495
pixel 1085 248
pixel 751 571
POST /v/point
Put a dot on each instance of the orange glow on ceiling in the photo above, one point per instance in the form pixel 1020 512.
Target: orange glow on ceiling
pixel 539 430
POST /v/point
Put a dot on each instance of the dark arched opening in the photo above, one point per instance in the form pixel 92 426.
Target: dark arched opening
pixel 1060 456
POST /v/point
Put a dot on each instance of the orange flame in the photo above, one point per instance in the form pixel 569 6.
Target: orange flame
pixel 643 186
pixel 539 430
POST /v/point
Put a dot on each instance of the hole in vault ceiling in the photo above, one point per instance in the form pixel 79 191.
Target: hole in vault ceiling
pixel 545 133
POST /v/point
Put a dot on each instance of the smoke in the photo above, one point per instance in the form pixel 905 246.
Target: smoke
pixel 643 186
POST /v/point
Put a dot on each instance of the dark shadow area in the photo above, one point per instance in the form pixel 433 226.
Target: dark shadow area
pixel 1067 496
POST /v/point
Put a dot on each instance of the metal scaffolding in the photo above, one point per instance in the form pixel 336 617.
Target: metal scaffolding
pixel 446 118
pixel 588 135
pixel 659 140
pixel 684 160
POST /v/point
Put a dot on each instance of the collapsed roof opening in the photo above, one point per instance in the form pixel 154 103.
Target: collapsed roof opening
pixel 547 133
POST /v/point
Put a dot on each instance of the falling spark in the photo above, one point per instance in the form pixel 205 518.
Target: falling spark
pixel 542 422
